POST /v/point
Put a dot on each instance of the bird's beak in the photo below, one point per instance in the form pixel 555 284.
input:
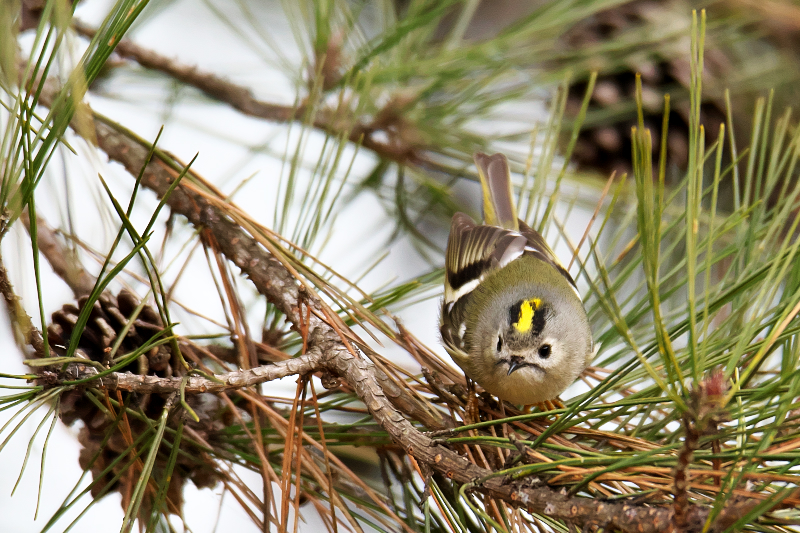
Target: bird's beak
pixel 516 362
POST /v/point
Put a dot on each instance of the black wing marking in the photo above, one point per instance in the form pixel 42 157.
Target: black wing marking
pixel 474 251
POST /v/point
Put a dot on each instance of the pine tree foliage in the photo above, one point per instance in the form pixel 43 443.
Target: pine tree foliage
pixel 689 419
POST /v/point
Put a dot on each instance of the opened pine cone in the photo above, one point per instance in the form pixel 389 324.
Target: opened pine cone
pixel 107 439
pixel 604 142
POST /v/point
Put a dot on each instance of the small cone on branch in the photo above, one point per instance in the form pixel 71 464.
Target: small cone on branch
pixel 107 436
pixel 107 321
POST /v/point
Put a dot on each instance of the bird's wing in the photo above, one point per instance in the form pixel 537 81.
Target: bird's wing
pixel 537 247
pixel 473 252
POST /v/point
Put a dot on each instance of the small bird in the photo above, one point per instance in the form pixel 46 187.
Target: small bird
pixel 512 317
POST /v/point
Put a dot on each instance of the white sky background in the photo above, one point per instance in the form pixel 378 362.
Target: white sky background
pixel 191 33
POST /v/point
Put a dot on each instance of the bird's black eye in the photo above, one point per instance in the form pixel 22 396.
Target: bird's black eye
pixel 544 351
pixel 499 343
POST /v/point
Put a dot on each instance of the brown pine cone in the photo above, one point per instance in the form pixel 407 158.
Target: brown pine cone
pixel 106 436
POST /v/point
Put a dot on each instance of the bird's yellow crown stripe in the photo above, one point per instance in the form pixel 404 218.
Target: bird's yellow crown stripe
pixel 526 312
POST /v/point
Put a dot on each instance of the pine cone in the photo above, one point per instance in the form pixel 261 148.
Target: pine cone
pixel 100 451
pixel 107 321
pixel 605 143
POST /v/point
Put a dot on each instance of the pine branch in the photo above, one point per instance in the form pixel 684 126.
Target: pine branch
pixel 361 374
pixel 397 147
pixel 27 334
pixel 328 350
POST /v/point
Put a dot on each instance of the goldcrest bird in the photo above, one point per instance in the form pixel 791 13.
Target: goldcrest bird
pixel 512 317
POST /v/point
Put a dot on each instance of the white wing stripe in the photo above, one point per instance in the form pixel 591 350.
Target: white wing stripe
pixel 508 257
pixel 574 288
pixel 463 290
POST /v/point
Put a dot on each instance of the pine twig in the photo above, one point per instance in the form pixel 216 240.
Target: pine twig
pixel 60 258
pixel 193 384
pixel 691 442
pixel 26 333
pixel 701 418
pixel 396 148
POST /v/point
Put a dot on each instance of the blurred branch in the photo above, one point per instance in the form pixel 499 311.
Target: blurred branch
pixel 397 148
pixel 22 325
pixel 61 259
pixel 213 86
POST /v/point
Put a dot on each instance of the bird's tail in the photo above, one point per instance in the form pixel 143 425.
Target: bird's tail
pixel 498 202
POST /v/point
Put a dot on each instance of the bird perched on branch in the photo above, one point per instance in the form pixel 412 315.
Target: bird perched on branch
pixel 512 317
